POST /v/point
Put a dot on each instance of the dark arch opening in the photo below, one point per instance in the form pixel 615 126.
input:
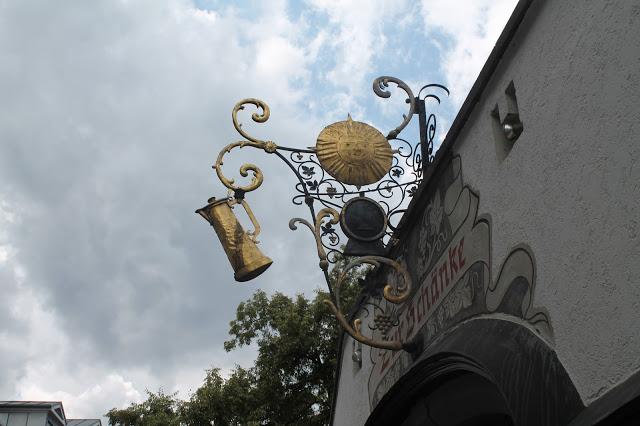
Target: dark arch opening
pixel 520 376
pixel 459 399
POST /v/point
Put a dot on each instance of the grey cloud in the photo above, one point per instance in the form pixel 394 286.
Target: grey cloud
pixel 111 114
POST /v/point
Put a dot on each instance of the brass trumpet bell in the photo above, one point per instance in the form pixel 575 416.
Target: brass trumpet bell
pixel 240 246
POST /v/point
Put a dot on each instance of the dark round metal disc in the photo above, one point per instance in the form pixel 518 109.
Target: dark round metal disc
pixel 363 219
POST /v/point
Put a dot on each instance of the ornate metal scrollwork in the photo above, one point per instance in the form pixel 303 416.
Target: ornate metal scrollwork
pixel 334 218
pixel 396 295
pixel 257 117
pixel 428 126
pixel 257 178
pixel 379 86
pixel 267 146
pixel 315 186
pixel 315 183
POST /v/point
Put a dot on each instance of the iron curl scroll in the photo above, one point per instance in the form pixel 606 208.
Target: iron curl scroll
pixel 379 86
pixel 394 294
pixel 268 146
pixel 334 218
pixel 428 133
pixel 257 117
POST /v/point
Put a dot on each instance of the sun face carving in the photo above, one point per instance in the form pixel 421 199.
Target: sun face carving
pixel 354 152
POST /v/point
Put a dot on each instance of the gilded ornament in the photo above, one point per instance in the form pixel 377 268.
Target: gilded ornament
pixel 240 246
pixel 270 147
pixel 354 153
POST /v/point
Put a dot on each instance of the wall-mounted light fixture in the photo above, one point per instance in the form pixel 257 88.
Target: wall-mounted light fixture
pixel 512 127
pixel 355 175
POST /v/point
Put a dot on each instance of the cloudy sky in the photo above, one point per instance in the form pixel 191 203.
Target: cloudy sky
pixel 111 114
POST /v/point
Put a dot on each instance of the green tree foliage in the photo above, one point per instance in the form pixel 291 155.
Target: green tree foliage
pixel 296 356
pixel 226 402
pixel 159 409
pixel 291 380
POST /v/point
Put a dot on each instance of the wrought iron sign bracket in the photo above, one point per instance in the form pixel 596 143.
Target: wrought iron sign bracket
pixel 351 163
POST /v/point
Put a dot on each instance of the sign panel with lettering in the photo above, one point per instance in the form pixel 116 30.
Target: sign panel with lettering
pixel 449 258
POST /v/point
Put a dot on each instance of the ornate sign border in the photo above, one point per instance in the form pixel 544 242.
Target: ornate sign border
pixel 449 257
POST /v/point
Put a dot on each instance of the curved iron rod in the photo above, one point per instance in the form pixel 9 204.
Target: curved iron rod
pixel 315 197
pixel 310 205
pixel 306 151
pixel 434 85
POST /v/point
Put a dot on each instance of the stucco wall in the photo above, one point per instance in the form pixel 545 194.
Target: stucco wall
pixel 569 188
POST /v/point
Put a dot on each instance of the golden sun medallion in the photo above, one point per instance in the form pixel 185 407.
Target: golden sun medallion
pixel 354 152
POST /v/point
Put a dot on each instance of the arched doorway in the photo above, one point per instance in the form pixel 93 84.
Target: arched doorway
pixel 459 399
pixel 486 371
